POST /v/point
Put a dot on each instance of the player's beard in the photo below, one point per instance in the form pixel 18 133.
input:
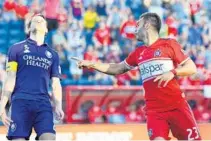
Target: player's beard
pixel 141 35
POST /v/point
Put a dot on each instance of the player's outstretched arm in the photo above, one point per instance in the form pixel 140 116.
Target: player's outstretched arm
pixel 8 87
pixel 107 68
pixel 57 97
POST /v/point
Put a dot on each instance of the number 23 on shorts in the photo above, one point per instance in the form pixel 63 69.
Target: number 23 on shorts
pixel 193 133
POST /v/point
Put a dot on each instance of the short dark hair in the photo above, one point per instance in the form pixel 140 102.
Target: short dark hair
pixel 153 19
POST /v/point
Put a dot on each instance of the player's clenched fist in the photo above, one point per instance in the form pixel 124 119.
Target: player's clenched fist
pixel 166 77
pixel 59 112
pixel 85 63
pixel 5 119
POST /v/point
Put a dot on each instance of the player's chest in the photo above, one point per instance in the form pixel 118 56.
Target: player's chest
pixel 153 62
pixel 36 57
pixel 151 54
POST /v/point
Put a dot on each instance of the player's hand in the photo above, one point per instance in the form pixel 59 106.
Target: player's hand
pixel 5 119
pixel 85 64
pixel 166 77
pixel 59 112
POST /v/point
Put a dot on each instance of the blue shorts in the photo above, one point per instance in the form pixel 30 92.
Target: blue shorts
pixel 28 114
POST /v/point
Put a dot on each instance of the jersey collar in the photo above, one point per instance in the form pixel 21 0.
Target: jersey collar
pixel 34 42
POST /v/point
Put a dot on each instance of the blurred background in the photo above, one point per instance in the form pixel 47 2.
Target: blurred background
pixel 103 30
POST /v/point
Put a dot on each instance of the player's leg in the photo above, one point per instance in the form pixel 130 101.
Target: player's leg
pixel 47 136
pixel 157 125
pixel 183 124
pixel 21 127
pixel 43 125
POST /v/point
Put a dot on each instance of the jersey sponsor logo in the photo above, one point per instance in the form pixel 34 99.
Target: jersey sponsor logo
pixel 26 49
pixel 157 53
pixel 155 67
pixel 37 61
pixel 48 54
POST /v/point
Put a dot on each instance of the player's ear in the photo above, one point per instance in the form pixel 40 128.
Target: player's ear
pixel 146 25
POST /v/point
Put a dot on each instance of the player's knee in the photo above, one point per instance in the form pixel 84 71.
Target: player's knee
pixel 47 136
pixel 19 139
pixel 159 138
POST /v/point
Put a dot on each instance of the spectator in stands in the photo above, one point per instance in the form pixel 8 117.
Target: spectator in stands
pixel 8 13
pixel 77 9
pixel 51 8
pixel 128 28
pixel 21 10
pixel 102 37
pixel 62 54
pixel 133 115
pixel 114 114
pixel 36 7
pixel 92 55
pixel 208 55
pixel 75 36
pixel 9 5
pixel 101 8
pixel 59 37
pixel 96 115
pixel 103 79
pixel 62 16
pixel 136 7
pixel 113 56
pixel 90 18
pixel 201 114
pixel 114 22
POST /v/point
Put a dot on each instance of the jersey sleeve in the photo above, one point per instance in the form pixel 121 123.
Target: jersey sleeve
pixel 55 69
pixel 131 60
pixel 177 54
pixel 12 61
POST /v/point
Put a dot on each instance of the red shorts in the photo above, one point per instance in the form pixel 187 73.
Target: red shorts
pixel 180 121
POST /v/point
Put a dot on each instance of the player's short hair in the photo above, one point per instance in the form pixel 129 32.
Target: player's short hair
pixel 153 19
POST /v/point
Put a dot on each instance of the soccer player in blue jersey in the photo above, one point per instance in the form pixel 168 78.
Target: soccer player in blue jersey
pixel 30 67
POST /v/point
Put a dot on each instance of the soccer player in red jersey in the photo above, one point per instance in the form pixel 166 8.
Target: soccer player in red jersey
pixel 160 61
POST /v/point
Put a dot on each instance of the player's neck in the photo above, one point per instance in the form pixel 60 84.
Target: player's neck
pixel 39 38
pixel 152 39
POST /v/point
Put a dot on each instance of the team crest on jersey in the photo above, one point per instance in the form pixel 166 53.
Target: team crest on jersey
pixel 157 53
pixel 48 54
pixel 150 132
pixel 26 49
pixel 13 126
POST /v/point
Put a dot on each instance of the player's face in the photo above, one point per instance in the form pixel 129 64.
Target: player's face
pixel 140 32
pixel 39 24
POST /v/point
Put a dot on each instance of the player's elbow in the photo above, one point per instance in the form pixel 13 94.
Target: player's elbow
pixel 193 69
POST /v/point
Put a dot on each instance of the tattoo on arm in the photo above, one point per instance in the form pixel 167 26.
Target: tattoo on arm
pixel 116 69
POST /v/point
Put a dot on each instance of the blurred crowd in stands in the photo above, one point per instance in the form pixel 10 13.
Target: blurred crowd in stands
pixel 103 30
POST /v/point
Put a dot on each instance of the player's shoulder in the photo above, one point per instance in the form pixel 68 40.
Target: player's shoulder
pixel 52 50
pixel 140 48
pixel 170 42
pixel 17 46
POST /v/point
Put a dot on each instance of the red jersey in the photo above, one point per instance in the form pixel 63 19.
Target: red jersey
pixel 128 29
pixel 162 56
pixel 103 35
pixel 9 6
pixel 21 11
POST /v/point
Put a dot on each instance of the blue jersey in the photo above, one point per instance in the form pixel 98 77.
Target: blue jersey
pixel 36 65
